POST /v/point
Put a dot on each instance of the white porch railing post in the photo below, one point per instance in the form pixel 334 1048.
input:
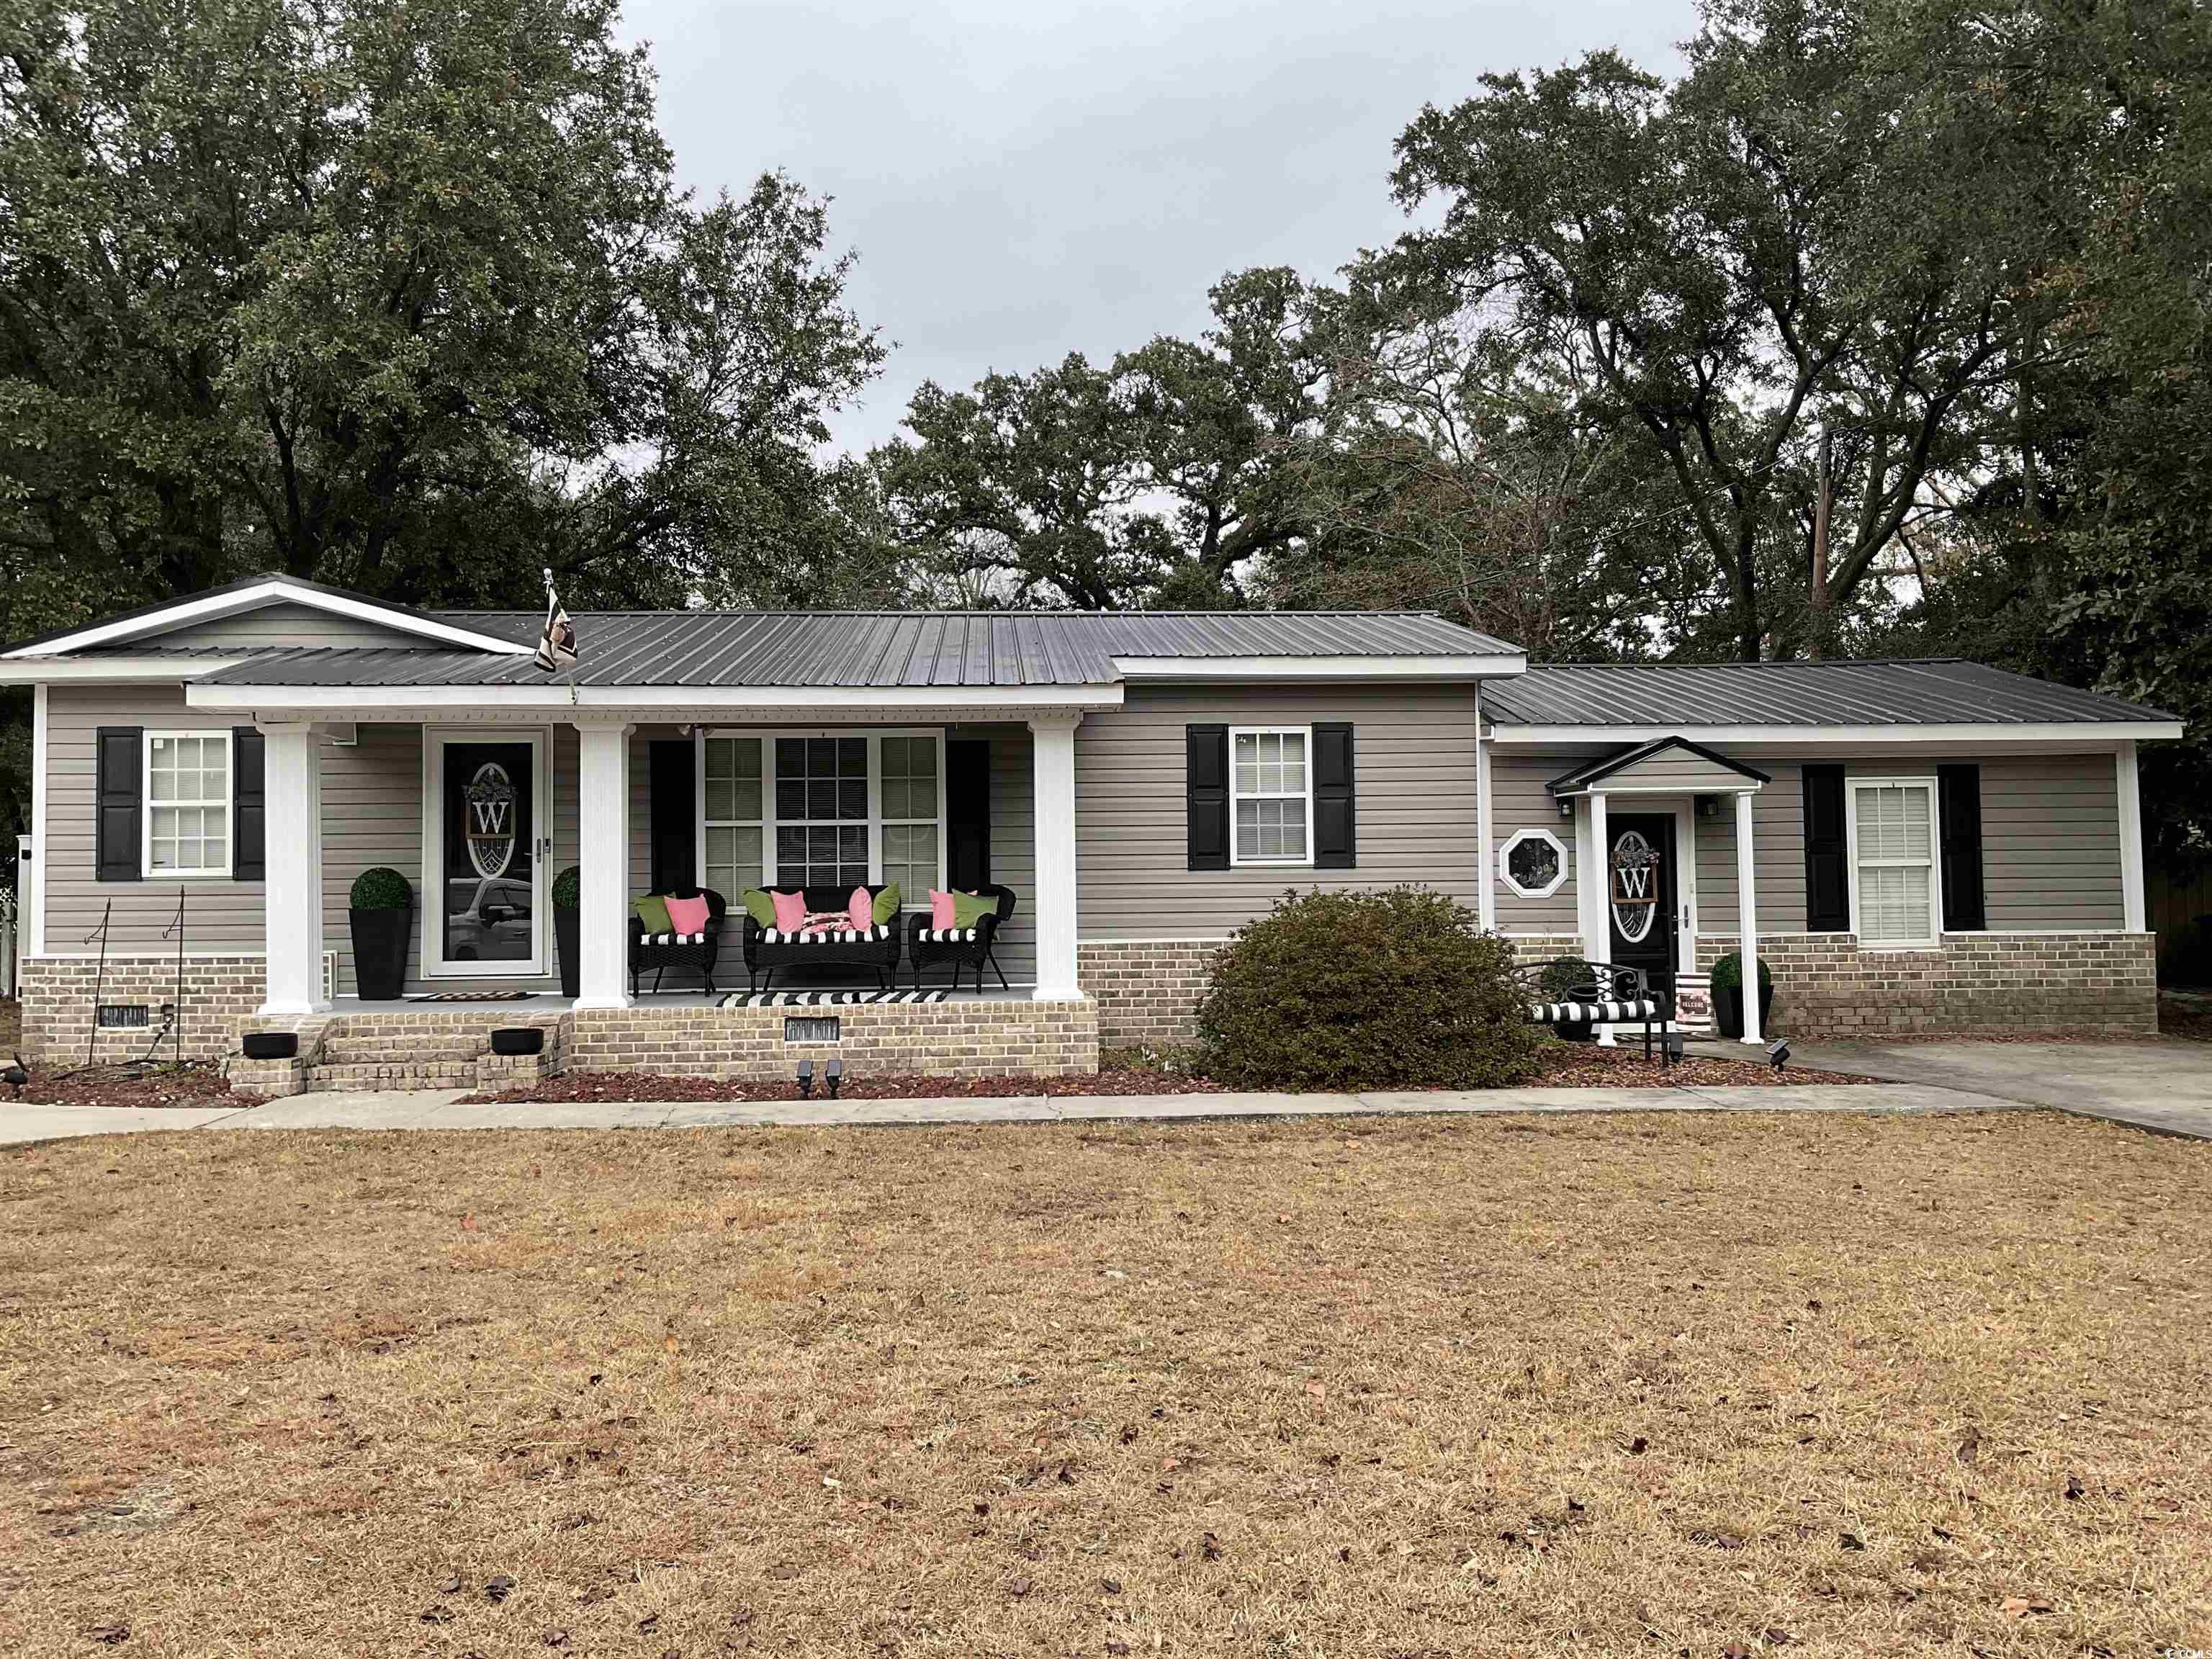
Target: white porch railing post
pixel 292 888
pixel 1748 902
pixel 602 864
pixel 1054 748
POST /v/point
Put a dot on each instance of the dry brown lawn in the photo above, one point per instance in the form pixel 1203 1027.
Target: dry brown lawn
pixel 1826 1385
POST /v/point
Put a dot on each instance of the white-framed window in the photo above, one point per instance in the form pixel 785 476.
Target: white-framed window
pixel 1533 863
pixel 187 796
pixel 837 808
pixel 733 815
pixel 1896 886
pixel 1270 794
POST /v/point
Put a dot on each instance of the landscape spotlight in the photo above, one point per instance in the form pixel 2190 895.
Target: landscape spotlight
pixel 806 1079
pixel 1779 1052
pixel 833 1075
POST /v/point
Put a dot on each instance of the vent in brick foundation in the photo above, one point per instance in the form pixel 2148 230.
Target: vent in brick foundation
pixel 811 1031
pixel 122 1016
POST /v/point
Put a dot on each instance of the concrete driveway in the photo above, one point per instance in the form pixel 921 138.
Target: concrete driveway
pixel 2155 1085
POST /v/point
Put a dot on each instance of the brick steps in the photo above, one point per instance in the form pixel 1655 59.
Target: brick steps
pixel 452 1074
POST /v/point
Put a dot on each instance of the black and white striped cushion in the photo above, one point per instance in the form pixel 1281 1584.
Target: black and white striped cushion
pixel 675 939
pixel 949 935
pixel 1546 1013
pixel 842 936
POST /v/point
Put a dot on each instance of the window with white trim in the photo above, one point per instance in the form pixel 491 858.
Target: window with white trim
pixel 1895 888
pixel 187 803
pixel 1270 796
pixel 810 809
pixel 733 811
pixel 1533 863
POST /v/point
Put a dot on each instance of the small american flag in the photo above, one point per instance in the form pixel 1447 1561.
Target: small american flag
pixel 556 647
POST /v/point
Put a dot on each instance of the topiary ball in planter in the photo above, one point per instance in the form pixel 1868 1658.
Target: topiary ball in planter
pixel 1727 994
pixel 568 897
pixel 381 919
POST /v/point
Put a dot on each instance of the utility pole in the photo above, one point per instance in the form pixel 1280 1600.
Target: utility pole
pixel 1816 640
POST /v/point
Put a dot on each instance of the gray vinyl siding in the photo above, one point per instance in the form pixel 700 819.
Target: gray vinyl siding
pixel 2050 844
pixel 1777 844
pixel 1415 780
pixel 221 917
pixel 285 623
pixel 1013 846
pixel 1520 800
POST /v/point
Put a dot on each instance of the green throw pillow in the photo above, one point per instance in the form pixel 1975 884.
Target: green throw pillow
pixel 759 906
pixel 887 905
pixel 969 908
pixel 652 911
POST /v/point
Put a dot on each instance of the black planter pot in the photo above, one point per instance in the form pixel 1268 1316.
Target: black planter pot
pixel 379 952
pixel 564 933
pixel 1728 1009
pixel 269 1045
pixel 519 1040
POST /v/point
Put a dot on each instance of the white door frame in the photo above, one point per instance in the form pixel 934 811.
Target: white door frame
pixel 1683 809
pixel 432 934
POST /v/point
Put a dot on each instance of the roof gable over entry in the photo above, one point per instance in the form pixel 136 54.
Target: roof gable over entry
pixel 1664 766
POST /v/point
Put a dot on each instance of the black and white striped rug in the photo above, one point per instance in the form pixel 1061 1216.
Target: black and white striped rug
pixel 824 998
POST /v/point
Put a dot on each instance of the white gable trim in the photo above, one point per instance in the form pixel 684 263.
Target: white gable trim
pixel 232 602
pixel 117 670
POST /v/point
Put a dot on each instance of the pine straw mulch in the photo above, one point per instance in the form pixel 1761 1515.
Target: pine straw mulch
pixel 1818 1384
pixel 1564 1065
pixel 194 1084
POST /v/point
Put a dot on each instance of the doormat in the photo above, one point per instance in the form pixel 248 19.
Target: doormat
pixel 824 998
pixel 473 996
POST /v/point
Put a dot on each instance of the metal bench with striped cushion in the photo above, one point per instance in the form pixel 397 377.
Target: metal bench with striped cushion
pixel 874 950
pixel 1574 991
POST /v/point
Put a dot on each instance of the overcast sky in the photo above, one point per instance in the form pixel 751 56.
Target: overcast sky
pixel 1022 181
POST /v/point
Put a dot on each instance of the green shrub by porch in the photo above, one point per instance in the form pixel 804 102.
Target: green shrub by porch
pixel 568 889
pixel 1366 990
pixel 380 920
pixel 1728 973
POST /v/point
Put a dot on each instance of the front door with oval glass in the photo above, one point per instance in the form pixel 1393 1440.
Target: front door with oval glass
pixel 1641 893
pixel 484 904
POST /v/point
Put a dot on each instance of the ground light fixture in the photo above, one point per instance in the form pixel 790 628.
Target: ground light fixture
pixel 1674 1048
pixel 833 1073
pixel 806 1079
pixel 1779 1052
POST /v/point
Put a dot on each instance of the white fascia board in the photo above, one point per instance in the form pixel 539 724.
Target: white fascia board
pixel 213 607
pixel 1607 786
pixel 117 670
pixel 1321 668
pixel 559 701
pixel 2076 732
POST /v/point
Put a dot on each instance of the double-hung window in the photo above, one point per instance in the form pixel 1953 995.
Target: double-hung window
pixel 821 810
pixel 187 804
pixel 1271 795
pixel 1895 888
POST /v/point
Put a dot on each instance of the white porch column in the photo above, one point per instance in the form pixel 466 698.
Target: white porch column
pixel 292 887
pixel 2134 914
pixel 1747 912
pixel 1597 919
pixel 1053 748
pixel 602 864
pixel 1485 904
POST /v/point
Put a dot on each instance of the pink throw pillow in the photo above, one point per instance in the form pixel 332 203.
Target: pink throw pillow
pixel 940 909
pixel 790 911
pixel 864 911
pixel 689 915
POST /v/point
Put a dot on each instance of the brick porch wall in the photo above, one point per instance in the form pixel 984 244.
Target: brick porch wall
pixel 1977 984
pixel 944 1039
pixel 1147 990
pixel 220 993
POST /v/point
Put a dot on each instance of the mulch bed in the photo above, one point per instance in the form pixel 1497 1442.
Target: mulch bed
pixel 1566 1065
pixel 126 1086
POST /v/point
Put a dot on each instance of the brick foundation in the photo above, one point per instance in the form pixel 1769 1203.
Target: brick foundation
pixel 1147 990
pixel 1978 984
pixel 941 1039
pixel 58 996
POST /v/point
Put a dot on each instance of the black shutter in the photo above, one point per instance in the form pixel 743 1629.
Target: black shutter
pixel 1206 794
pixel 673 806
pixel 118 852
pixel 1827 853
pixel 249 803
pixel 967 815
pixel 1958 804
pixel 1335 817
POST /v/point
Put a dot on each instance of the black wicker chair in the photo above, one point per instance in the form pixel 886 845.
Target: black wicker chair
pixel 661 951
pixel 765 949
pixel 1572 995
pixel 964 947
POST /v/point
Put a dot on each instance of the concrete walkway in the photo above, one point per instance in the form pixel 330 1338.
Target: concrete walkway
pixel 2154 1086
pixel 436 1110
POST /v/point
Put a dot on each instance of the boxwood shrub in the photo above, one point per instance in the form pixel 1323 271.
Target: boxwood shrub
pixel 1728 973
pixel 568 889
pixel 381 889
pixel 1366 990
